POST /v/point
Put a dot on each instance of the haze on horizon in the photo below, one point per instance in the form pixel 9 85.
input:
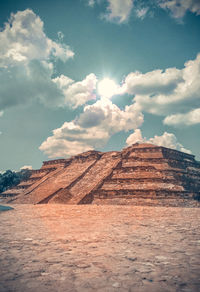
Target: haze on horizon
pixel 97 74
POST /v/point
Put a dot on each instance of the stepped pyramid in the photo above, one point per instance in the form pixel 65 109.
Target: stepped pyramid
pixel 142 174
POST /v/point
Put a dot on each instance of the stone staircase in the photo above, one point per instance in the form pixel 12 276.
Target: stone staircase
pixel 61 178
pixel 93 178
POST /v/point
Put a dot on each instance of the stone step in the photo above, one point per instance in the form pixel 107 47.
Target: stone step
pixel 26 187
pixel 94 177
pixel 60 197
pixel 155 165
pixel 11 192
pixel 61 179
pixel 190 172
pixel 167 202
pixel 150 172
pixel 170 161
pixel 150 155
pixel 137 180
pixel 46 200
pixel 37 184
pixel 100 193
pixel 185 181
pixel 142 175
pixel 148 186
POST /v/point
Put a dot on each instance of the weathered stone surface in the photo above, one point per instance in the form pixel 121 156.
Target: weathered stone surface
pixel 63 178
pixel 140 174
pixel 94 177
pixel 87 248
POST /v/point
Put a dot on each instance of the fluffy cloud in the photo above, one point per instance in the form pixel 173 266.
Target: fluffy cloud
pixel 167 92
pixel 118 10
pixel 26 167
pixel 91 3
pixel 23 39
pixel 135 137
pixel 54 148
pixel 26 66
pixel 178 8
pixel 141 12
pixel 168 140
pixel 77 93
pixel 110 117
pixel 153 82
pixel 72 139
pixel 190 118
pixel 91 129
pixel 32 81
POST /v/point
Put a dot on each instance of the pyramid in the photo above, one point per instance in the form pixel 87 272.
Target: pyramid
pixel 142 174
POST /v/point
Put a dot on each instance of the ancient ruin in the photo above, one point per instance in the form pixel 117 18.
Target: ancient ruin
pixel 142 174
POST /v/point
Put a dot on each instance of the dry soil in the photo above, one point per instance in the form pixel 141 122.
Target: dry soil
pixel 99 248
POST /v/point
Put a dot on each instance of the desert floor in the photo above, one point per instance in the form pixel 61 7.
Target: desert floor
pixel 99 248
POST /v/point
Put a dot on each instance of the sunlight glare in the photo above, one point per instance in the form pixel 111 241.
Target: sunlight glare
pixel 107 87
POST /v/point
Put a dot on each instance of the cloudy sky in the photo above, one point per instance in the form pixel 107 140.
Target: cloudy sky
pixel 97 74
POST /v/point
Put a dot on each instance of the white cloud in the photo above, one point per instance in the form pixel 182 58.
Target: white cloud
pixel 166 92
pixel 54 148
pixel 110 117
pixel 153 82
pixel 91 3
pixel 168 140
pixel 60 35
pixel 190 118
pixel 77 93
pixel 92 129
pixel 118 10
pixel 26 167
pixel 32 81
pixel 141 12
pixel 26 66
pixel 72 139
pixel 23 39
pixel 178 8
pixel 135 137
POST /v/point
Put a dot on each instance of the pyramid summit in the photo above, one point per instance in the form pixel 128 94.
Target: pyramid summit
pixel 142 174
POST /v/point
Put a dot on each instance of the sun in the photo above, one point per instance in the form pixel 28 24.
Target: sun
pixel 107 87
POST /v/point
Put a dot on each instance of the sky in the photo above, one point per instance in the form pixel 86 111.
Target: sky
pixel 77 75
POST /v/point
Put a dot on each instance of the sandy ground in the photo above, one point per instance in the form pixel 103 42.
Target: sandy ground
pixel 99 248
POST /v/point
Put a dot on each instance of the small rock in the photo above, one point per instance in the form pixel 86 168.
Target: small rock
pixel 160 258
pixel 44 274
pixel 83 266
pixel 131 259
pixel 116 285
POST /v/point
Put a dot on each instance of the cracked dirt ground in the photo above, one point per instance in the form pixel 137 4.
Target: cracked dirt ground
pixel 99 248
